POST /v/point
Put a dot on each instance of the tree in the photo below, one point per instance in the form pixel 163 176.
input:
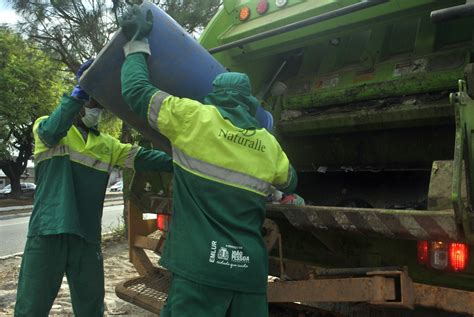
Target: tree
pixel 192 15
pixel 75 30
pixel 30 86
pixel 72 31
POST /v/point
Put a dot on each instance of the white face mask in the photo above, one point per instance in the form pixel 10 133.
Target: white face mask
pixel 92 117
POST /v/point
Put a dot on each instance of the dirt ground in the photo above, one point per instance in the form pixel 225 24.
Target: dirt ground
pixel 116 267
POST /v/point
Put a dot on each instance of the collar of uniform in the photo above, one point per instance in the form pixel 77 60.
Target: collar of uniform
pixel 80 125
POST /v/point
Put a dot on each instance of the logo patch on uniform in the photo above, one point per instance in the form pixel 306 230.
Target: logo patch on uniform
pixel 223 254
pixel 212 255
pixel 243 138
pixel 248 133
pixel 231 256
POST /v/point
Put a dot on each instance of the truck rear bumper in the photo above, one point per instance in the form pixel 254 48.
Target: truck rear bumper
pixel 399 224
pixel 385 288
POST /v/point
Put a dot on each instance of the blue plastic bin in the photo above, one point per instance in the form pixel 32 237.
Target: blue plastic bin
pixel 178 65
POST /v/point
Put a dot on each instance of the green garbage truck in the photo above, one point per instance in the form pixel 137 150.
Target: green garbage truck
pixel 371 101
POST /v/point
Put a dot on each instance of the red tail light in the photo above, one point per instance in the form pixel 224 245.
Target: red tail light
pixel 458 254
pixel 423 252
pixel 439 255
pixel 162 222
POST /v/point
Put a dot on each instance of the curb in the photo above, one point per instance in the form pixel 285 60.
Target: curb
pixel 23 212
pixel 10 256
pixel 6 257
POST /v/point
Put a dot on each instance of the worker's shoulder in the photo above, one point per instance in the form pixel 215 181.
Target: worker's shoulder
pixel 186 108
pixel 179 101
pixel 41 118
pixel 269 136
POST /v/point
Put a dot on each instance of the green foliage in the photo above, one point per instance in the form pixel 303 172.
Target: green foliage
pixel 30 86
pixel 72 31
pixel 110 124
pixel 192 15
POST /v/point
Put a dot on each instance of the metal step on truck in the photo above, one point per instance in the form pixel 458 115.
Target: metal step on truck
pixel 372 102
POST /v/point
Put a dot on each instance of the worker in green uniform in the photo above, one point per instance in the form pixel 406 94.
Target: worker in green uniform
pixel 73 163
pixel 224 167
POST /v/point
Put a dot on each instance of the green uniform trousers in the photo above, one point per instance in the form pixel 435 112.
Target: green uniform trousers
pixel 45 260
pixel 189 299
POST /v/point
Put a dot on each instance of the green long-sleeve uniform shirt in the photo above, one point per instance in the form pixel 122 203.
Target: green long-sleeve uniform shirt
pixel 222 175
pixel 72 173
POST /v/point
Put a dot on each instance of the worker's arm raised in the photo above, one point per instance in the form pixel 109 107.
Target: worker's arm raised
pixel 167 114
pixel 137 90
pixel 50 130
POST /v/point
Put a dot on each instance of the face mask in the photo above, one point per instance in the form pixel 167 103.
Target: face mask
pixel 92 117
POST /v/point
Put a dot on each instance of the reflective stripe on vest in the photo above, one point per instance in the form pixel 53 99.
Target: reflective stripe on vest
pixel 220 174
pixel 64 150
pixel 154 108
pixel 130 159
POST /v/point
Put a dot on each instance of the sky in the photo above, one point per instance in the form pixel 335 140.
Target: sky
pixel 7 15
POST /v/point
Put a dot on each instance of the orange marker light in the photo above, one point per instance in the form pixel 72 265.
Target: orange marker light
pixel 244 13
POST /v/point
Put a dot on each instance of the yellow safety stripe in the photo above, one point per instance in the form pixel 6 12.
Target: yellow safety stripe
pixel 220 174
pixel 64 150
pixel 154 108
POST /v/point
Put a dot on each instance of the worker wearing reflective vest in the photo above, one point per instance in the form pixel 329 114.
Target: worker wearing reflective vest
pixel 73 161
pixel 224 167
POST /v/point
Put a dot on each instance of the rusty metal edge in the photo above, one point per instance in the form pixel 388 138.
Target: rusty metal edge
pixel 448 299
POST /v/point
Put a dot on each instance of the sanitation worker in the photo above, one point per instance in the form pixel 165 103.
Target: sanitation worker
pixel 73 162
pixel 224 166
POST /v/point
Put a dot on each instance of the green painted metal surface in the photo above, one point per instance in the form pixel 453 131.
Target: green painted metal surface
pixel 365 91
pixel 385 70
pixel 392 49
pixel 463 153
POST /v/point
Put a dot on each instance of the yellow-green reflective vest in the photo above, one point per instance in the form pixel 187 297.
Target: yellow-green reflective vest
pixel 72 175
pixel 222 176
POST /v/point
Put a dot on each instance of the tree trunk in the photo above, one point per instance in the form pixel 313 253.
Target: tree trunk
pixel 14 175
pixel 14 168
pixel 16 187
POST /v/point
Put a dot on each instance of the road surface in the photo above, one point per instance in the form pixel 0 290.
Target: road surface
pixel 13 230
